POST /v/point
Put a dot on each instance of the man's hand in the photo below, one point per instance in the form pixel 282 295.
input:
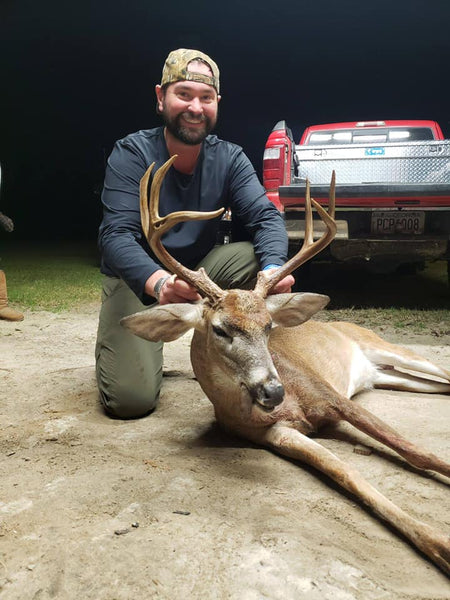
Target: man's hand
pixel 176 290
pixel 284 286
pixel 173 291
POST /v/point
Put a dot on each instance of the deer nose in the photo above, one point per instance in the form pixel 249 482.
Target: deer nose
pixel 269 394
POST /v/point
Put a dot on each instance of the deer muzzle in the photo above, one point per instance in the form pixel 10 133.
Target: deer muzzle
pixel 268 394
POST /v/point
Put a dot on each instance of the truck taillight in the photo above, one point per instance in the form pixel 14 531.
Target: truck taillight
pixel 273 168
pixel 271 154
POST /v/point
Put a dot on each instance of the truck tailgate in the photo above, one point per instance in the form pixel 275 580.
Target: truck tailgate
pixel 367 195
pixel 392 162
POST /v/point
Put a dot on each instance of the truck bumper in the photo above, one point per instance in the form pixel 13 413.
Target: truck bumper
pixel 393 250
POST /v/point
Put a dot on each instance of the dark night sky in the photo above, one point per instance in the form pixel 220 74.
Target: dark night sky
pixel 77 76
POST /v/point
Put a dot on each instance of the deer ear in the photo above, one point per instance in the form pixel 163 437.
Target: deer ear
pixel 289 310
pixel 164 323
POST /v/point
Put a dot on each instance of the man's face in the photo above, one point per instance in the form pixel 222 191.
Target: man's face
pixel 189 108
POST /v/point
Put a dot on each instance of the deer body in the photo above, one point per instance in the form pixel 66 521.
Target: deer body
pixel 275 378
pixel 234 367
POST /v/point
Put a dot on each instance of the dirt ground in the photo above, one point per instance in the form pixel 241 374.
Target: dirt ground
pixel 170 507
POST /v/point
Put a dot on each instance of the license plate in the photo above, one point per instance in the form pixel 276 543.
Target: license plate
pixel 404 222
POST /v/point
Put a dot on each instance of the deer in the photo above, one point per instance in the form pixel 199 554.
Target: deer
pixel 259 359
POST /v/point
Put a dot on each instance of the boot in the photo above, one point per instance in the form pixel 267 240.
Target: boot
pixel 7 313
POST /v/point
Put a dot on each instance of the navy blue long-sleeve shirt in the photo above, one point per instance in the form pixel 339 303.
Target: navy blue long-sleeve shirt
pixel 223 177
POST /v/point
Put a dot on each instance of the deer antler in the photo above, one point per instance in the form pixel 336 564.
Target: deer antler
pixel 155 226
pixel 309 248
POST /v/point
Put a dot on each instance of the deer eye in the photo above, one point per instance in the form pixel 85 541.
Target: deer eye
pixel 220 332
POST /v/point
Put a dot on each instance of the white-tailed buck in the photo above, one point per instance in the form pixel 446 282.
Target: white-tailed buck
pixel 275 378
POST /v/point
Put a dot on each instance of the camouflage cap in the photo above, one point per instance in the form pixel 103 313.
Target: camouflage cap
pixel 176 68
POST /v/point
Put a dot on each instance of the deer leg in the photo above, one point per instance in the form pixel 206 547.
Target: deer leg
pixel 368 423
pixel 392 379
pixel 389 354
pixel 292 443
pixel 383 353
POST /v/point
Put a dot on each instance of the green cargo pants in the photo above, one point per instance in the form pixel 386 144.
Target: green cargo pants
pixel 128 368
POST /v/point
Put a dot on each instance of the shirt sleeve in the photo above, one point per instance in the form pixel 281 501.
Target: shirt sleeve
pixel 124 251
pixel 262 220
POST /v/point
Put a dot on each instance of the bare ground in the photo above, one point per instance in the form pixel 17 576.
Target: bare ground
pixel 170 507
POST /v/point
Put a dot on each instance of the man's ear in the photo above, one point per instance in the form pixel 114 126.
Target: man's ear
pixel 289 310
pixel 159 98
pixel 165 323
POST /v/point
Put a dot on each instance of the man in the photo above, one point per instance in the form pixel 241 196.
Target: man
pixel 208 173
pixel 6 312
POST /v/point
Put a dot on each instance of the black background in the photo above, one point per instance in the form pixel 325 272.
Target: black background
pixel 76 76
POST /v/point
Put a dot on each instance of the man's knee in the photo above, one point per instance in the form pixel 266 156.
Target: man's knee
pixel 128 400
pixel 232 265
pixel 129 376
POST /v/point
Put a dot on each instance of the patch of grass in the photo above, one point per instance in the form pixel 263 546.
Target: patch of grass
pixel 51 277
pixel 406 301
pixel 436 322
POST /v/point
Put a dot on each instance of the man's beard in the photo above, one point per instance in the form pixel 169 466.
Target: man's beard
pixel 190 137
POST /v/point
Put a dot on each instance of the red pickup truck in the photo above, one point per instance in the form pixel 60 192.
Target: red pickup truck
pixel 392 188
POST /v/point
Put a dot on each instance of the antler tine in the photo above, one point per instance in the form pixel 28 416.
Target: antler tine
pixel 332 196
pixel 309 248
pixel 143 201
pixel 155 226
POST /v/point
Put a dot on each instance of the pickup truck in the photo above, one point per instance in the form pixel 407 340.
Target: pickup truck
pixel 392 188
